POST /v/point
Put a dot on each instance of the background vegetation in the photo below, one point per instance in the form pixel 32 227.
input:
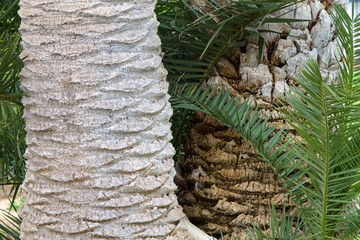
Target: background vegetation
pixel 12 133
pixel 320 171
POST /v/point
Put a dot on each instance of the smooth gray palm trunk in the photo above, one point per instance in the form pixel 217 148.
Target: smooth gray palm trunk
pixel 99 161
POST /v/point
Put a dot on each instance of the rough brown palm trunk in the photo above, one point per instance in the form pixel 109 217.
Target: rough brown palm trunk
pixel 228 186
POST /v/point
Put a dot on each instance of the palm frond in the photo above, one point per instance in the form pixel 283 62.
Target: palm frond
pixel 332 165
pixel 287 228
pixel 9 226
pixel 10 65
pixel 348 32
pixel 247 121
pixel 194 37
pixel 9 19
pixel 12 133
pixel 10 62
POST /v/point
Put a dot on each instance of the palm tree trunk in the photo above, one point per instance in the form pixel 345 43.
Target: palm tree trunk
pixel 228 187
pixel 99 161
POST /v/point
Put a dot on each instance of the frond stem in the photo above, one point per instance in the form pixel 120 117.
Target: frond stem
pixel 325 189
pixel 179 129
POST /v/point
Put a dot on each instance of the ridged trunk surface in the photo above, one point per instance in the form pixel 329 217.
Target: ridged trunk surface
pixel 228 188
pixel 99 161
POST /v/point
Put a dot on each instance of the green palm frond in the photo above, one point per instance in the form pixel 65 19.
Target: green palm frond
pixel 9 19
pixel 287 228
pixel 348 31
pixel 226 19
pixel 10 62
pixel 12 133
pixel 247 121
pixel 12 145
pixel 9 226
pixel 324 127
pixel 194 37
pixel 10 65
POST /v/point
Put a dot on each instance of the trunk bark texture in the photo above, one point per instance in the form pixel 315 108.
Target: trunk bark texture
pixel 99 161
pixel 228 188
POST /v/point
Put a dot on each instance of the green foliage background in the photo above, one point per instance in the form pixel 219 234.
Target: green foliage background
pixel 12 133
pixel 326 117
